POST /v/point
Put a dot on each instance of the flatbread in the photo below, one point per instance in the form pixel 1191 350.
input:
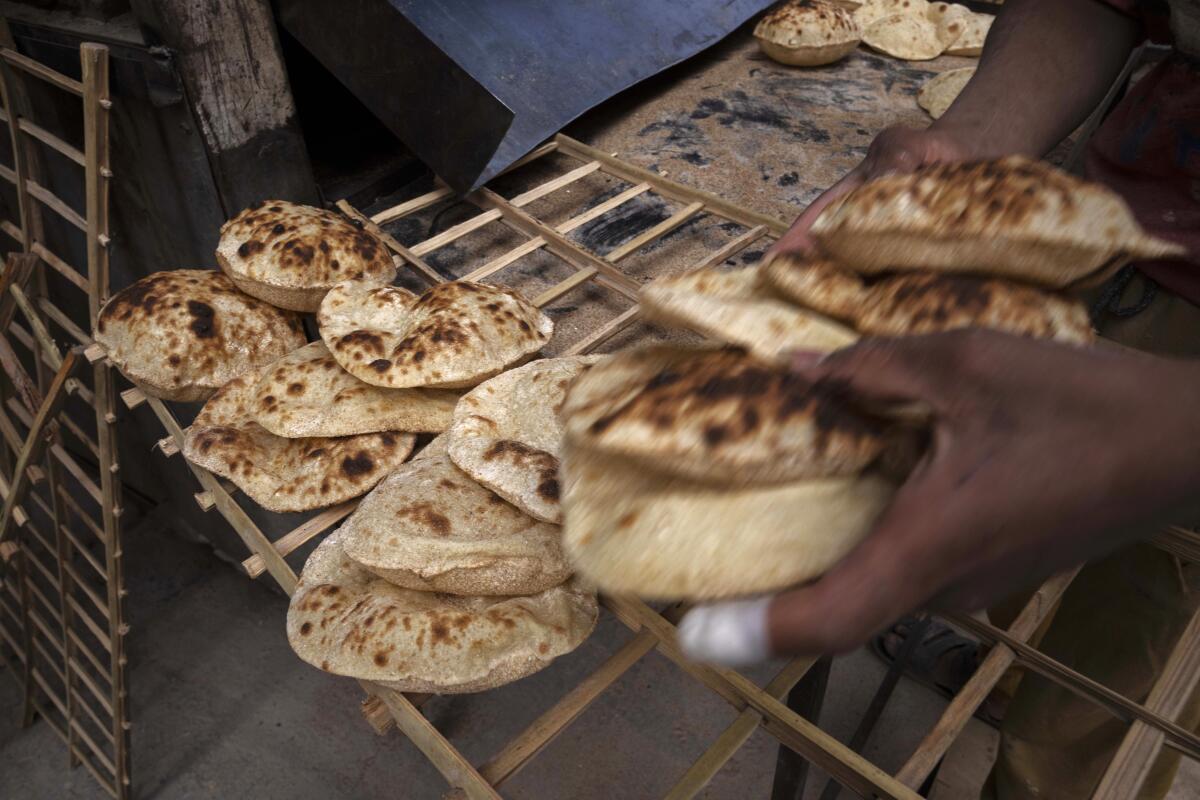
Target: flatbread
pixel 872 10
pixel 929 302
pixel 183 334
pixel 455 335
pixel 905 36
pixel 348 621
pixel 718 415
pixel 808 33
pixel 939 92
pixel 949 19
pixel 507 435
pixel 1007 218
pixel 974 34
pixel 307 393
pixel 286 474
pixel 429 527
pixel 290 255
pixel 733 307
pixel 632 530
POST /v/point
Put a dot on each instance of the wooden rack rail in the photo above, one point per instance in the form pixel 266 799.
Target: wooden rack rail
pixel 1153 726
pixel 61 614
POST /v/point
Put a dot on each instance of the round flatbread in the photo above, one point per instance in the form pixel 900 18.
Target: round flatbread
pixel 290 255
pixel 732 306
pixel 183 334
pixel 455 335
pixel 871 10
pixel 937 93
pixel 1006 218
pixel 507 435
pixel 307 393
pixel 632 530
pixel 346 620
pixel 429 527
pixel 808 33
pixel 949 19
pixel 718 415
pixel 975 31
pixel 286 474
pixel 929 302
pixel 905 36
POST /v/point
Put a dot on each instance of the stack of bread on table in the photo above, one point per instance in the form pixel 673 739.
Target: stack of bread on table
pixel 811 33
pixel 449 576
pixel 704 473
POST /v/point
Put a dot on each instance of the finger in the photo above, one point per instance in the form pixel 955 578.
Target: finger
pixel 730 634
pixel 883 578
pixel 902 369
pixel 797 239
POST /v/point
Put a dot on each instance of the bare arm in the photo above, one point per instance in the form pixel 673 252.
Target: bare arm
pixel 1046 65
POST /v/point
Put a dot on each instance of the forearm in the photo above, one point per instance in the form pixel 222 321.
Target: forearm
pixel 1046 65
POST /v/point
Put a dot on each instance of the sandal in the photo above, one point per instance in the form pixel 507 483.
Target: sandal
pixel 943 661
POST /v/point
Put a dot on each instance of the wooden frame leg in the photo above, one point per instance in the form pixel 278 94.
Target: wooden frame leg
pixel 806 699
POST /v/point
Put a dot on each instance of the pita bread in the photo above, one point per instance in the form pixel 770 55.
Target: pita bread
pixel 286 474
pixel 974 34
pixel 307 393
pixel 732 306
pixel 183 334
pixel 455 335
pixel 507 436
pixel 348 621
pixel 717 415
pixel 905 36
pixel 290 255
pixel 872 10
pixel 939 92
pixel 949 20
pixel 808 34
pixel 1007 218
pixel 429 527
pixel 913 303
pixel 631 530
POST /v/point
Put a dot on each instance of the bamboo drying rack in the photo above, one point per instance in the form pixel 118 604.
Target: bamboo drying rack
pixel 62 628
pixel 1152 724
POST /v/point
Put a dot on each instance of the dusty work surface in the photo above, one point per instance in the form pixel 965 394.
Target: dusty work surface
pixel 221 706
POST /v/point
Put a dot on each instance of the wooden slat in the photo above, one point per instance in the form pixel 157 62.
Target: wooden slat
pixel 1118 705
pixel 38 70
pixel 410 206
pixel 63 321
pixel 454 232
pixel 566 179
pixel 50 140
pixel 844 765
pixel 52 201
pixel 10 230
pixel 600 209
pixel 35 441
pixel 531 741
pixel 455 768
pixel 7 174
pixel 89 656
pixel 132 398
pixel 101 635
pixel 100 724
pixel 289 542
pixel 668 188
pixel 59 266
pixel 83 515
pixel 79 583
pixel 77 472
pixel 1139 750
pixel 705 768
pixel 250 534
pixel 79 434
pixel 97 751
pixel 971 696
pixel 99 696
pixel 1180 542
pixel 661 229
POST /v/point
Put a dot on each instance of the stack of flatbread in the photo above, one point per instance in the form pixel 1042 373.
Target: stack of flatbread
pixel 450 576
pixel 918 30
pixel 699 474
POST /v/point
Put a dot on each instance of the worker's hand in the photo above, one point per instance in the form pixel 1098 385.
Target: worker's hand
pixel 1041 456
pixel 895 150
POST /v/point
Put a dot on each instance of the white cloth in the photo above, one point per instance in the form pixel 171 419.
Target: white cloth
pixel 729 634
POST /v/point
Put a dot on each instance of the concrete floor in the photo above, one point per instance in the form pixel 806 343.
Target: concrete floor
pixel 223 709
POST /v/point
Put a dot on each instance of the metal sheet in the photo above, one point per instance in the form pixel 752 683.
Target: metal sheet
pixel 470 85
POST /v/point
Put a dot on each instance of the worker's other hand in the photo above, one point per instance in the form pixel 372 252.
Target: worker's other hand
pixel 896 149
pixel 1041 456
